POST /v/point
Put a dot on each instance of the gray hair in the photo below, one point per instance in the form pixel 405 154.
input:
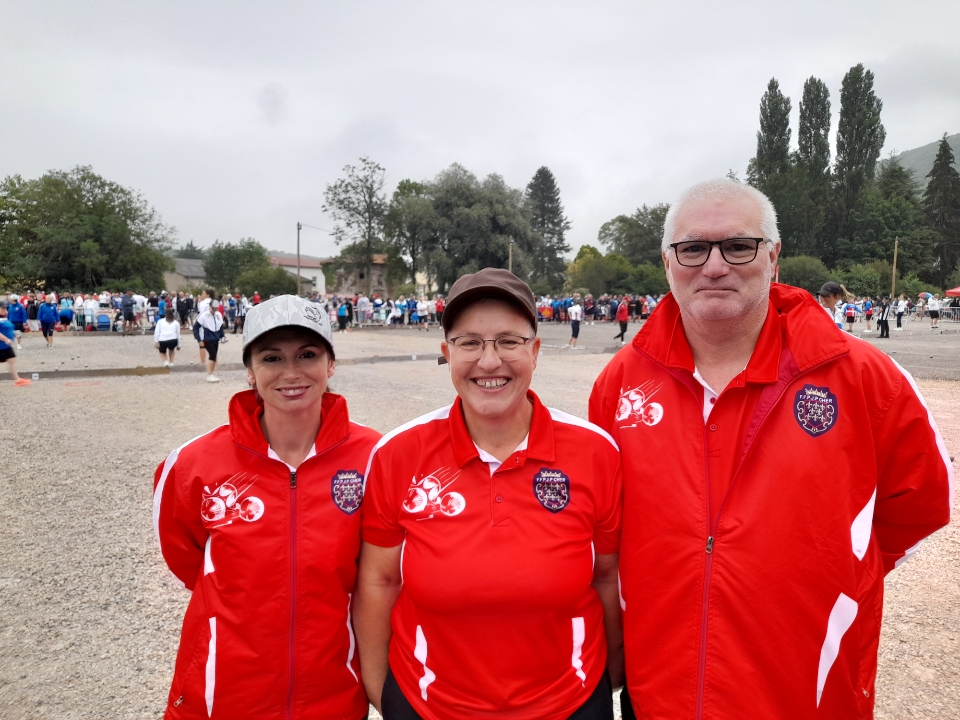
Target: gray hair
pixel 724 188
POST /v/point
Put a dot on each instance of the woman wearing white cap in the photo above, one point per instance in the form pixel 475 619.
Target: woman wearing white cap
pixel 259 519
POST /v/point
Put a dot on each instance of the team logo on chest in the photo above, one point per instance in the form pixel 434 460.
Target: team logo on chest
pixel 552 489
pixel 634 405
pixel 224 503
pixel 816 409
pixel 428 495
pixel 346 488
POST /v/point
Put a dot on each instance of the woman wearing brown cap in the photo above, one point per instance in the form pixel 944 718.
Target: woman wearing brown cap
pixel 488 571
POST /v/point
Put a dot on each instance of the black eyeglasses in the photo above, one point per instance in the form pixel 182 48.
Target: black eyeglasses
pixel 735 251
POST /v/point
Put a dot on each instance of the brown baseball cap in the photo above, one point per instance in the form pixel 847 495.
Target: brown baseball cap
pixel 493 284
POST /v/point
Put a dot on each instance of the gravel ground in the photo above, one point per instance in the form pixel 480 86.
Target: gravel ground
pixel 89 615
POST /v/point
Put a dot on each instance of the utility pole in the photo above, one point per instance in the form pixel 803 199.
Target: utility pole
pixel 510 261
pixel 298 258
pixel 893 285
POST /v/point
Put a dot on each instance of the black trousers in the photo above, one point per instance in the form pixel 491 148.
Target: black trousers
pixel 899 318
pixel 599 706
pixel 884 326
pixel 623 331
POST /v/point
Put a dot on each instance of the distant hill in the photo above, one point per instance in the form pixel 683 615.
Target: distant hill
pixel 920 159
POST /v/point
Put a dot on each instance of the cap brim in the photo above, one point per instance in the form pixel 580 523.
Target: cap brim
pixel 483 292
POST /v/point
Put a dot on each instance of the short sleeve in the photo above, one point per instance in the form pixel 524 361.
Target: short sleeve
pixel 609 494
pixel 379 514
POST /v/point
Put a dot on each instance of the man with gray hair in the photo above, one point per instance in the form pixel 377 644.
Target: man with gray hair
pixel 756 531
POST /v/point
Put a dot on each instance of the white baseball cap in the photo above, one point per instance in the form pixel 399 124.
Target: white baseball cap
pixel 286 311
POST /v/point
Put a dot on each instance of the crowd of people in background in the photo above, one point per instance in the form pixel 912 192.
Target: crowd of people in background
pixel 130 313
pixel 847 309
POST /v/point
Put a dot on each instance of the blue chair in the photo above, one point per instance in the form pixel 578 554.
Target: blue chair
pixel 103 322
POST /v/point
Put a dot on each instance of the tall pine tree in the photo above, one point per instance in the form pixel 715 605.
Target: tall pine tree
pixel 773 138
pixel 813 164
pixel 941 205
pixel 549 226
pixel 813 133
pixel 860 138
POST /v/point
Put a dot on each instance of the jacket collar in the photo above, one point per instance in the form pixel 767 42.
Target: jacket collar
pixel 794 319
pixel 246 409
pixel 540 442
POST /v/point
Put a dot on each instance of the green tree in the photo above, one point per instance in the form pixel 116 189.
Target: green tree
pixel 477 220
pixel 813 166
pixel 773 138
pixel 863 280
pixel 813 131
pixel 941 205
pixel 637 237
pixel 191 252
pixel 267 281
pixel 358 206
pixel 860 138
pixel 588 251
pixel 805 272
pixel 887 209
pixel 226 262
pixel 77 230
pixel 411 226
pixel 549 226
pixel 649 279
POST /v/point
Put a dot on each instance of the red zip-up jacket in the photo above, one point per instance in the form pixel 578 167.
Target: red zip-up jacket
pixel 769 605
pixel 270 554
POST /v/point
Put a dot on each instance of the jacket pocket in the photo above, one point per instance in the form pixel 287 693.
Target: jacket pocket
pixel 194 678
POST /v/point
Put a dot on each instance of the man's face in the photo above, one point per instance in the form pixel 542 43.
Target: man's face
pixel 717 290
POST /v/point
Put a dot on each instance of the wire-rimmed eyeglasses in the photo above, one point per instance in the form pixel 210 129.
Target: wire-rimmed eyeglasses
pixel 508 347
pixel 735 251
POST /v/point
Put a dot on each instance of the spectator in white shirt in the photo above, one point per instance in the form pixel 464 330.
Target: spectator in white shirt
pixel 901 309
pixel 166 337
pixel 575 314
pixel 933 307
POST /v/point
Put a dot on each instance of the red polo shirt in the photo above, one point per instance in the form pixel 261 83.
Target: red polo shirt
pixel 497 615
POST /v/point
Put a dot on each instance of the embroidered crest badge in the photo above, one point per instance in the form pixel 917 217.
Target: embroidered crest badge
pixel 346 488
pixel 816 409
pixel 552 489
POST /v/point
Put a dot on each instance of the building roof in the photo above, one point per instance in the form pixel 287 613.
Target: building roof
pixel 284 261
pixel 190 268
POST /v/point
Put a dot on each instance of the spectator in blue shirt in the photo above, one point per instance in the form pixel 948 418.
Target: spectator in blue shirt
pixel 17 316
pixel 48 315
pixel 7 355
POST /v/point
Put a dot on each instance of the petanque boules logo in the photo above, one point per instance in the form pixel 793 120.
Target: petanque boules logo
pixel 552 489
pixel 226 502
pixel 816 409
pixel 428 496
pixel 346 487
pixel 313 314
pixel 634 404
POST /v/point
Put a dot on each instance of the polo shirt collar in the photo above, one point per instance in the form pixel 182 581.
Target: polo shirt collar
pixel 540 440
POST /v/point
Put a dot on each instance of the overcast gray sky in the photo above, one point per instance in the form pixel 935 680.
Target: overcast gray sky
pixel 231 117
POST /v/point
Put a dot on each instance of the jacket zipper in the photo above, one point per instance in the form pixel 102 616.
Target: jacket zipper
pixel 708 566
pixel 291 659
pixel 713 527
pixel 293 587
